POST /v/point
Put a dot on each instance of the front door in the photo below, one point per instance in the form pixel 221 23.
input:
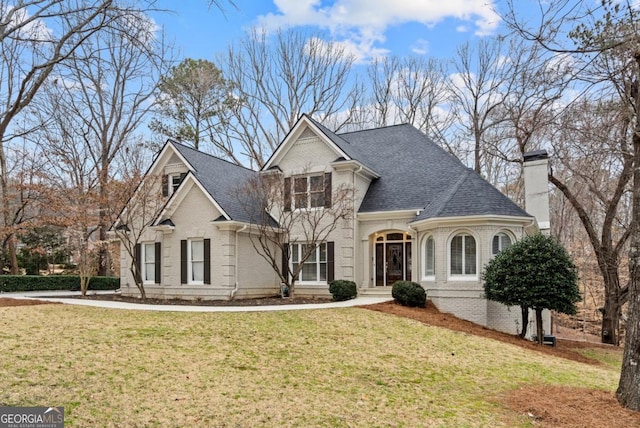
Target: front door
pixel 395 263
pixel 393 258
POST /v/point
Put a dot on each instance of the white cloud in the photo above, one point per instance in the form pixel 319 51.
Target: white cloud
pixel 363 23
pixel 35 30
pixel 420 47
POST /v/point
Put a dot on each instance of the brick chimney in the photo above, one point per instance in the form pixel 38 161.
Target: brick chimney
pixel 536 188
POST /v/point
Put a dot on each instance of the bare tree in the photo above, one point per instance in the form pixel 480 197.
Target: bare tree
pixel 411 90
pixel 593 170
pixel 277 79
pixel 479 86
pixel 97 101
pixel 267 200
pixel 607 32
pixel 36 37
pixel 144 204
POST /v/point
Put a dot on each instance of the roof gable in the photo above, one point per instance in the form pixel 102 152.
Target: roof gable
pixel 220 179
pixel 304 128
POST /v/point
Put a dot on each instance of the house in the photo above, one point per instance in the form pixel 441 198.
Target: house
pixel 419 214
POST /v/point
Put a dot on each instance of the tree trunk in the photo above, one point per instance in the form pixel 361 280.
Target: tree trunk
pixel 539 329
pixel 103 218
pixel 628 392
pixel 611 316
pixel 525 321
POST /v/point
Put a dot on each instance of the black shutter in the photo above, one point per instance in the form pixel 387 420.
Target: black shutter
pixel 183 261
pixel 158 261
pixel 207 261
pixel 330 262
pixel 285 261
pixel 327 190
pixel 287 194
pixel 138 263
pixel 165 185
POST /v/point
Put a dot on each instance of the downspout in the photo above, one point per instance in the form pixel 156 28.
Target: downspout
pixel 355 238
pixel 235 288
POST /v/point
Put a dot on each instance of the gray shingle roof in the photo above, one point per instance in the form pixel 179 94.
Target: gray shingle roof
pixel 222 179
pixel 415 173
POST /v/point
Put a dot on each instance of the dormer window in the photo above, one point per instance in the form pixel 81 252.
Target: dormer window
pixel 307 191
pixel 171 182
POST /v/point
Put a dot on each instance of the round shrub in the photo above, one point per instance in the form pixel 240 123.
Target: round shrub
pixel 342 290
pixel 409 293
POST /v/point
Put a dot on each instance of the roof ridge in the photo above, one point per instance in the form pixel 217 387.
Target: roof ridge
pixel 376 128
pixel 176 143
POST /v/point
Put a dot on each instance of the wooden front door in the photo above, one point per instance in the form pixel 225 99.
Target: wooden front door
pixel 392 259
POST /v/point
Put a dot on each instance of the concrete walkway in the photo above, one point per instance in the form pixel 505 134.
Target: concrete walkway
pixel 62 297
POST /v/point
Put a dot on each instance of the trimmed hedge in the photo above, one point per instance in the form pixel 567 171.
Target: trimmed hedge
pixel 342 290
pixel 409 294
pixel 12 283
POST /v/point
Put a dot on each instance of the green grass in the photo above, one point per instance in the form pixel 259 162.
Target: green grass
pixel 346 367
pixel 610 357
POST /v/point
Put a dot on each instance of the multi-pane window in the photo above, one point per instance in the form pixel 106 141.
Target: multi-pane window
pixel 314 269
pixel 500 242
pixel 149 262
pixel 429 257
pixel 196 261
pixel 463 255
pixel 308 191
pixel 174 182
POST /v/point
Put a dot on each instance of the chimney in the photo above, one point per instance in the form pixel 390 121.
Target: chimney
pixel 536 188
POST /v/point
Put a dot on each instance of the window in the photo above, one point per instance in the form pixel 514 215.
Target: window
pixel 306 192
pixel 196 261
pixel 314 269
pixel 147 259
pixel 501 242
pixel 174 183
pixel 463 255
pixel 429 257
pixel 171 182
pixel 149 262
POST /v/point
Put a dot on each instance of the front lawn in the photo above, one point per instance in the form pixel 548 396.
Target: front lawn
pixel 339 367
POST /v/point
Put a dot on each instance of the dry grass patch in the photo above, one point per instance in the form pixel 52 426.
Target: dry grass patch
pixel 340 367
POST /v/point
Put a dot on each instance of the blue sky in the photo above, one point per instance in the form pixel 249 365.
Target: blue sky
pixel 366 27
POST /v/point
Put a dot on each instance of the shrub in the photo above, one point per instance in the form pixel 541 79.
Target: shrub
pixel 12 283
pixel 343 290
pixel 409 293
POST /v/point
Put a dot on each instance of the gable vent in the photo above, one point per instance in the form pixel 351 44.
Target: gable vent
pixel 308 133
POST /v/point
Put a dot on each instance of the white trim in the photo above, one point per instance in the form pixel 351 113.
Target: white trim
pixel 463 277
pixel 292 137
pixel 387 215
pixel 505 232
pixel 190 280
pixel 355 166
pixel 423 257
pixel 143 261
pixel 178 196
pixel 318 262
pixel 471 220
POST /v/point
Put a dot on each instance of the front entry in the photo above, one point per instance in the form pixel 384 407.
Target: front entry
pixel 393 258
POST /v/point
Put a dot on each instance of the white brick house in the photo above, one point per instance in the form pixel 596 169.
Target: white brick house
pixel 420 215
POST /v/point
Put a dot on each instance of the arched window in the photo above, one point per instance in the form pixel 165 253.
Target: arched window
pixel 501 241
pixel 429 257
pixel 463 255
